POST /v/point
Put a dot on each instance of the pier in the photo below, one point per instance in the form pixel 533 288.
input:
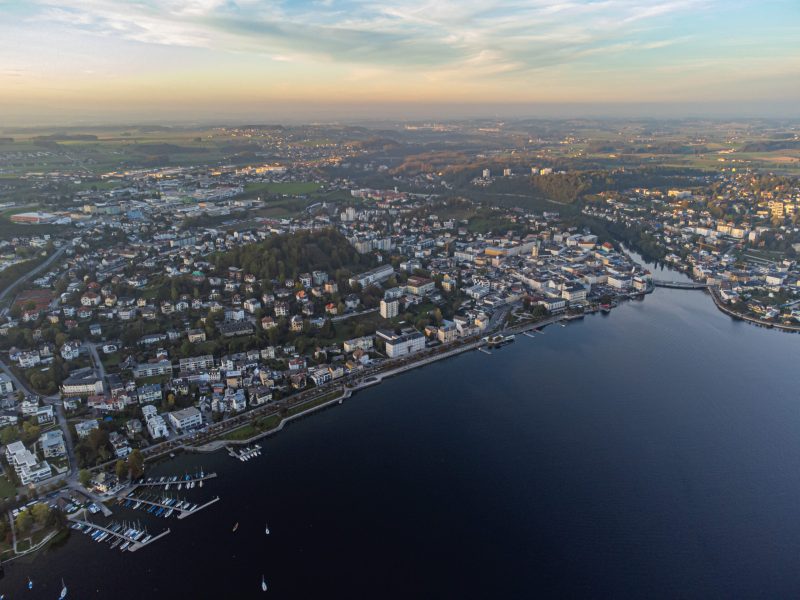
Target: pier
pixel 199 508
pixel 170 481
pixel 121 535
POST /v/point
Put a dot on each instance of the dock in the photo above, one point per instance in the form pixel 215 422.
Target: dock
pixel 171 481
pixel 121 536
pixel 198 509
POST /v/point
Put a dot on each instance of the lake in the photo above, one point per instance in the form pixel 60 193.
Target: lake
pixel 652 452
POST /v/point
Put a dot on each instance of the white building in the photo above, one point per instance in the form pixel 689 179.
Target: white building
pixel 186 418
pixel 376 275
pixel 407 342
pixel 157 427
pixel 6 385
pixel 52 443
pixel 26 465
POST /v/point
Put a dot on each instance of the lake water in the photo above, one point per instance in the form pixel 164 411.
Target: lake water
pixel 653 452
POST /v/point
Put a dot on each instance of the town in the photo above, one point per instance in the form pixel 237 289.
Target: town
pixel 156 309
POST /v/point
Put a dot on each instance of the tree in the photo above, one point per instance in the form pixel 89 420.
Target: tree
pixel 84 477
pixel 9 434
pixel 24 522
pixel 136 464
pixel 40 513
pixel 121 469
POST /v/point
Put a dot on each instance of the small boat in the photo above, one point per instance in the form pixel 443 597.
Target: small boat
pixel 63 591
pixel 30 584
pixel 263 584
pixel 201 483
pixel 266 530
pixel 235 527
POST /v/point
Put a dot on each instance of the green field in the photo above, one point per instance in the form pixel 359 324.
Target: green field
pixel 289 188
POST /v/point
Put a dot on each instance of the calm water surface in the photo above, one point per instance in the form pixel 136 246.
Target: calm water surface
pixel 652 452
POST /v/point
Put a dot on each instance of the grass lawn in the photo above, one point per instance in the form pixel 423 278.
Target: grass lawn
pixel 7 489
pixel 249 430
pixel 316 402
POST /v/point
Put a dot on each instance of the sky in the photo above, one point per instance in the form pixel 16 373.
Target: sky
pixel 277 59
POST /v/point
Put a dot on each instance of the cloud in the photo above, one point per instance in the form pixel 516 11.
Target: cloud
pixel 470 37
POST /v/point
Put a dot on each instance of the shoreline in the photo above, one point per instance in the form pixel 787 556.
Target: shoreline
pixel 372 380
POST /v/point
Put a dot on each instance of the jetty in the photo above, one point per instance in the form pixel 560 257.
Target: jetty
pixel 131 540
pixel 176 480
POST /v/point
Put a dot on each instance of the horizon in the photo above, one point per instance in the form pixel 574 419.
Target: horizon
pixel 225 60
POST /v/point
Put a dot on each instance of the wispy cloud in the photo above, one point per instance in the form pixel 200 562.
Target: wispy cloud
pixel 480 37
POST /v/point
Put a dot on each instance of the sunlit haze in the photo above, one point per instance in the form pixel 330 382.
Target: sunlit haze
pixel 223 59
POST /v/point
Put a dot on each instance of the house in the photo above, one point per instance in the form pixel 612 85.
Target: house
pixel 152 369
pixel 196 336
pixel 6 385
pixel 119 444
pixel 157 427
pixel 260 395
pixel 52 443
pixel 419 285
pixel 234 328
pixel 44 414
pixel 365 343
pixel 71 350
pixel 186 418
pixel 82 382
pixel 134 427
pixel 196 364
pixel 149 393
pixel 296 323
pixel 84 428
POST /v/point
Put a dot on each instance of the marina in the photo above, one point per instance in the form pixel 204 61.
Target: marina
pixel 179 482
pixel 119 535
pixel 245 453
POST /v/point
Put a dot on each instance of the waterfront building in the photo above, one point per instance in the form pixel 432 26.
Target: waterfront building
pixel 186 418
pixel 407 342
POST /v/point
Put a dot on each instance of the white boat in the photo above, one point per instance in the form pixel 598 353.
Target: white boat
pixel 63 591
pixel 263 584
pixel 201 483
pixel 180 486
pixel 266 530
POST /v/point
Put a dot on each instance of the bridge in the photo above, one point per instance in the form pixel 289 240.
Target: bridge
pixel 680 285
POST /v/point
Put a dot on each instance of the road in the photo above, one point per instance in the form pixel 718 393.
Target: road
pixel 53 257
pixel 20 385
pixel 98 364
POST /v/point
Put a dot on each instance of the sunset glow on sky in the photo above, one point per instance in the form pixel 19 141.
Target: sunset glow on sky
pixel 220 57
